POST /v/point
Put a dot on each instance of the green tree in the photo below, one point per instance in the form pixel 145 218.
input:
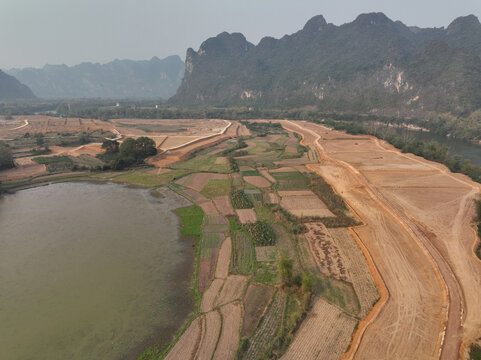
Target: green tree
pixel 6 157
pixel 145 146
pixel 285 267
pixel 39 139
pixel 110 146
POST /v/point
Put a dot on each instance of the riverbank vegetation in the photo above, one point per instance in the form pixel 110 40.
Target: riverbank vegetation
pixel 6 157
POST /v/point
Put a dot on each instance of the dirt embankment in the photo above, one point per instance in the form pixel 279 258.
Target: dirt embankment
pixel 416 230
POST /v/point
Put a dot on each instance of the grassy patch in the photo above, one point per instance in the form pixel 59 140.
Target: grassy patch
pixel 243 254
pixel 267 273
pixel 291 180
pixel 250 173
pixel 56 163
pixel 192 218
pixel 215 188
pixel 203 163
pixel 475 352
pixel 148 180
pixel 337 292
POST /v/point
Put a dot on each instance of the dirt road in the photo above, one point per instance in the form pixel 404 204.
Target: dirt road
pixel 416 217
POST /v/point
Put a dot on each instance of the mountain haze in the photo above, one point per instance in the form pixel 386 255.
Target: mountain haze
pixel 117 79
pixel 11 89
pixel 372 62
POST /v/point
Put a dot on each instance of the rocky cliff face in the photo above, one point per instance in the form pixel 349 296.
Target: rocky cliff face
pixel 118 79
pixel 11 89
pixel 372 62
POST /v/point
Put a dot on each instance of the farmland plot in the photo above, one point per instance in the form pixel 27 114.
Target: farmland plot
pixel 326 252
pixel 187 345
pixel 304 203
pixel 223 260
pixel 255 301
pixel 209 242
pixel 223 204
pixel 246 216
pixel 266 253
pixel 257 181
pixel 267 329
pixel 211 335
pixel 291 180
pixel 325 334
pixel 358 269
pixel 232 289
pixel 243 255
pixel 229 337
pixel 208 300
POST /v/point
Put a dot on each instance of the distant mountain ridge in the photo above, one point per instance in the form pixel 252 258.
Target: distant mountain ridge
pixel 11 89
pixel 372 62
pixel 117 79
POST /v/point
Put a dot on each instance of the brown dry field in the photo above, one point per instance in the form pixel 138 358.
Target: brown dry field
pixel 208 207
pixel 187 345
pixel 325 251
pixel 25 168
pixel 223 204
pixel 49 124
pixel 232 289
pixel 212 325
pixel 257 181
pixel 209 297
pixel 304 203
pixel 420 242
pixel 255 301
pixel 223 260
pixel 229 337
pixel 246 216
pixel 283 169
pixel 324 334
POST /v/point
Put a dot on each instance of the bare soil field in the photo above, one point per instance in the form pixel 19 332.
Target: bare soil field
pixel 208 300
pixel 246 215
pixel 357 268
pixel 325 252
pixel 324 334
pixel 232 290
pixel 423 249
pixel 210 336
pixel 229 337
pixel 255 301
pixel 26 169
pixel 307 204
pixel 283 169
pixel 257 181
pixel 223 261
pixel 208 207
pixel 223 205
pixel 186 346
pixel 175 141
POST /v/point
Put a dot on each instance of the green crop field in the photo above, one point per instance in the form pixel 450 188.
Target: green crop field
pixel 291 180
pixel 215 188
pixel 209 241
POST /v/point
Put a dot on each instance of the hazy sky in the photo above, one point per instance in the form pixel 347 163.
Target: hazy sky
pixel 37 32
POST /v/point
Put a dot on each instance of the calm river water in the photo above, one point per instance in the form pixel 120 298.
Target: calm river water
pixel 90 272
pixel 456 147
